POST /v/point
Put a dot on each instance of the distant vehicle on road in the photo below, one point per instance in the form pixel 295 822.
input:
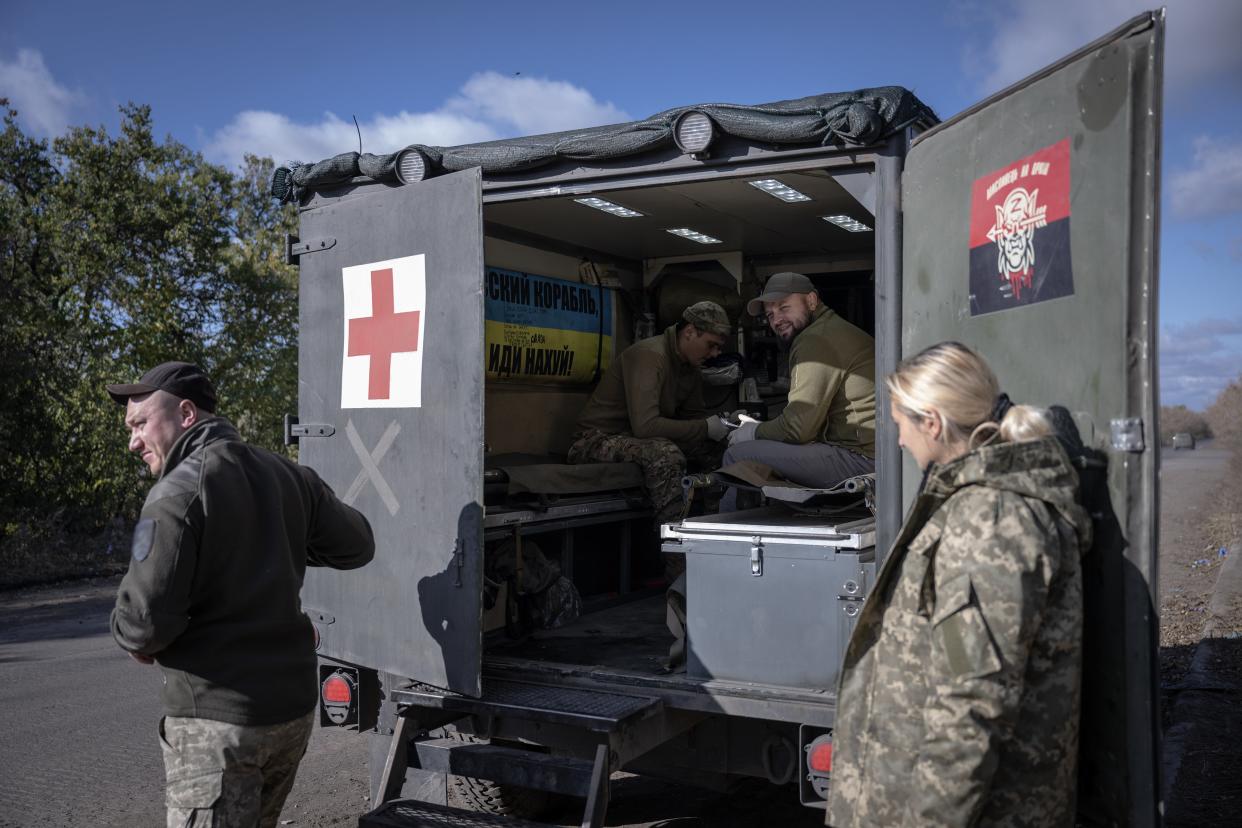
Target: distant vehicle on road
pixel 1183 440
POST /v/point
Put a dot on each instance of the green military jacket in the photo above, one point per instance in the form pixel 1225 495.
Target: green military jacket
pixel 650 392
pixel 959 696
pixel 831 387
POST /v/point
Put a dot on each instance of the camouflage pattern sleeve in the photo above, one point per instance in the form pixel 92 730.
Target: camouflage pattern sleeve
pixel 985 600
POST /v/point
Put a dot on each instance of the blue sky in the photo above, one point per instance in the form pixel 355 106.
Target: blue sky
pixel 283 79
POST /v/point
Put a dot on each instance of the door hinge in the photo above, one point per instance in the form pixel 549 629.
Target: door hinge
pixel 1127 434
pixel 756 557
pixel 295 431
pixel 295 247
pixel 459 560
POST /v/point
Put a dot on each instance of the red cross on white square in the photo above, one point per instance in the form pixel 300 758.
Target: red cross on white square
pixel 385 302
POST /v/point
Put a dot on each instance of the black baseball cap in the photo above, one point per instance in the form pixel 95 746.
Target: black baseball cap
pixel 183 380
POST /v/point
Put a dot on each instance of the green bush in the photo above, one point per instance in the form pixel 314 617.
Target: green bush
pixel 119 252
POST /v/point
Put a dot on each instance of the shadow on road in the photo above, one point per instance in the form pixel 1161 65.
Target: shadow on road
pixel 77 617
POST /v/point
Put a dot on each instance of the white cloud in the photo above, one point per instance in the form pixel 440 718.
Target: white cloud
pixel 279 137
pixel 488 106
pixel 533 105
pixel 1197 361
pixel 1213 184
pixel 1201 43
pixel 42 104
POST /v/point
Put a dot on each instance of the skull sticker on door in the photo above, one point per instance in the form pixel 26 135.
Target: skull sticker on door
pixel 1020 232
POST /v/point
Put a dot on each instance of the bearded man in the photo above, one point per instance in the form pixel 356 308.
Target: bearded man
pixel 826 432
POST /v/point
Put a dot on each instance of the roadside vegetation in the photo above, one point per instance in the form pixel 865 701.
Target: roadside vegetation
pixel 1225 419
pixel 118 252
pixel 1178 419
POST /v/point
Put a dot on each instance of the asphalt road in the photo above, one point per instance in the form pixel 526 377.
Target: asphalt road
pixel 79 747
pixel 78 718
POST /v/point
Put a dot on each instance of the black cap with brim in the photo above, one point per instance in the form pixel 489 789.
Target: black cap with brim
pixel 181 379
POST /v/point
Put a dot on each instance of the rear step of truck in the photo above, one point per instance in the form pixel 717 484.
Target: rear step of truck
pixel 407 813
pixel 625 725
pixel 596 710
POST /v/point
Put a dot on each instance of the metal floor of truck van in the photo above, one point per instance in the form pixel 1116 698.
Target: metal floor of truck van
pixel 631 637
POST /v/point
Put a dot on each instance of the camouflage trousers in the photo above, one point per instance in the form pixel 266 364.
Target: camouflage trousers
pixel 225 775
pixel 662 461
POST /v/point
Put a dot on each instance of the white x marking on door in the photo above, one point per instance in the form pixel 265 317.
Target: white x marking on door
pixel 370 466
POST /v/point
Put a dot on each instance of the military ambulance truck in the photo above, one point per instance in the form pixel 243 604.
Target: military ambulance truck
pixel 458 304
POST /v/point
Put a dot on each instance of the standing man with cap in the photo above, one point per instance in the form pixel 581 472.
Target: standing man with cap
pixel 826 431
pixel 648 408
pixel 212 596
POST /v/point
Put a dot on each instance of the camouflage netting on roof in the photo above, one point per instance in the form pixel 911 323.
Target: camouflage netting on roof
pixel 855 118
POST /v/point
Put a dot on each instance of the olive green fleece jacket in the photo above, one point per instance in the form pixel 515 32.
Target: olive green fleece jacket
pixel 650 391
pixel 212 590
pixel 831 387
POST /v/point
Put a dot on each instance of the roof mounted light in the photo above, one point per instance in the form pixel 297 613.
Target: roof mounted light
pixel 411 165
pixel 694 235
pixel 847 223
pixel 778 189
pixel 694 131
pixel 609 207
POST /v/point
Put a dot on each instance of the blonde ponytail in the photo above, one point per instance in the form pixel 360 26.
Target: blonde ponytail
pixel 952 383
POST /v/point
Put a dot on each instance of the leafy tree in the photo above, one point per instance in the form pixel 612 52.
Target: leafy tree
pixel 254 359
pixel 119 252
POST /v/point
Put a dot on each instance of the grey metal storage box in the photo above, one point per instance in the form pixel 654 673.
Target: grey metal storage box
pixel 771 598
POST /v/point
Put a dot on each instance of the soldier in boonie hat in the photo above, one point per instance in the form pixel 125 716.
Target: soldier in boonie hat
pixel 708 317
pixel 648 408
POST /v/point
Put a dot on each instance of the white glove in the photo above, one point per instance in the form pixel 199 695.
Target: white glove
pixel 716 428
pixel 743 433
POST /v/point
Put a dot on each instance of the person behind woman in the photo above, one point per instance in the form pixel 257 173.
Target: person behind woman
pixel 959 695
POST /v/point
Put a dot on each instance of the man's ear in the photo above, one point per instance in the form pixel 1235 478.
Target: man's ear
pixel 188 412
pixel 812 300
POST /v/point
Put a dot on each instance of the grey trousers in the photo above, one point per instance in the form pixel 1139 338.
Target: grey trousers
pixel 812 464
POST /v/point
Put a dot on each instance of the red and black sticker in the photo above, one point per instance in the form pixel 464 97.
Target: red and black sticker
pixel 1020 233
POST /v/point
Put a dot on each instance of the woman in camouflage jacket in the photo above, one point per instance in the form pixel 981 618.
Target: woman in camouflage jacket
pixel 959 695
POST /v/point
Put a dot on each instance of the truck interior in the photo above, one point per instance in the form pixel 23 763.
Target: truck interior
pixel 594 522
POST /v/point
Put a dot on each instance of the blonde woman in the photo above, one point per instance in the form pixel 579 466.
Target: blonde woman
pixel 959 695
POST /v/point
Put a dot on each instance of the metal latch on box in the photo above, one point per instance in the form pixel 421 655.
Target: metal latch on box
pixel 756 556
pixel 295 431
pixel 853 597
pixel 295 247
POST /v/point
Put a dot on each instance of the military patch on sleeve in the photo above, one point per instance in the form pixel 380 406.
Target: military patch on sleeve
pixel 144 538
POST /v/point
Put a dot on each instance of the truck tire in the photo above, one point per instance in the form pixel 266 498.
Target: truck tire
pixel 490 797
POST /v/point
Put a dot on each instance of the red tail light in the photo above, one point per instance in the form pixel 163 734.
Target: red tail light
pixel 336 690
pixel 819 756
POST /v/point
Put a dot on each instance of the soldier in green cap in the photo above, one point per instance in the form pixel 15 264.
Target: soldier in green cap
pixel 826 432
pixel 648 408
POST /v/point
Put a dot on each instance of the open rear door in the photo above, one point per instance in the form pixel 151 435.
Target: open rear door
pixel 391 363
pixel 1030 233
